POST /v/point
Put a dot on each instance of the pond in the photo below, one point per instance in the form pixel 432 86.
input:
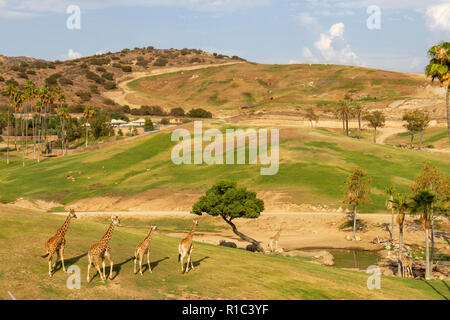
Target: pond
pixel 360 259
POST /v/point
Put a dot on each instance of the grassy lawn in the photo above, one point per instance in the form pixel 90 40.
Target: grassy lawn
pixel 220 273
pixel 306 157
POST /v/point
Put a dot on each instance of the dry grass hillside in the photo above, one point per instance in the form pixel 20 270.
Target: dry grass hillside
pixel 84 80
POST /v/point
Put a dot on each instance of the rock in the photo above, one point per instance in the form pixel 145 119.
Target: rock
pixel 348 238
pixel 387 272
pixel 357 238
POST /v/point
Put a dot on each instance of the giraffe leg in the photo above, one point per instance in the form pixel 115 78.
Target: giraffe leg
pixel 104 267
pixel 141 257
pixel 89 267
pixel 62 259
pixel 181 261
pixel 50 266
pixel 97 266
pixel 190 258
pixel 56 261
pixel 148 261
pixel 135 260
pixel 276 245
pixel 111 264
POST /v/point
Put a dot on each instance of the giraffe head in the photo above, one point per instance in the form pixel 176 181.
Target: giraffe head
pixel 196 222
pixel 72 214
pixel 154 228
pixel 115 220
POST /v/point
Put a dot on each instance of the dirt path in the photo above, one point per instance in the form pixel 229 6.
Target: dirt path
pixel 388 132
pixel 120 96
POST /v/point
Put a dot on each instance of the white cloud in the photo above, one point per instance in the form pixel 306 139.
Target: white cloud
pixel 72 54
pixel 438 17
pixel 306 52
pixel 306 19
pixel 325 45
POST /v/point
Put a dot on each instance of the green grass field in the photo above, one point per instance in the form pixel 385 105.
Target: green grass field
pixel 220 273
pixel 307 156
pixel 436 137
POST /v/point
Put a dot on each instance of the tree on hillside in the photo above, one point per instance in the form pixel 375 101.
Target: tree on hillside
pixel 422 203
pixel 227 200
pixel 400 204
pixel 88 114
pixel 311 116
pixel 148 126
pixel 439 68
pixel 357 192
pixel 434 180
pixel 343 111
pixel 357 108
pixel 416 122
pixel 10 91
pixel 376 120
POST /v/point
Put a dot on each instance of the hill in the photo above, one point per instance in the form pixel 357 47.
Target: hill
pixel 220 273
pixel 84 80
pixel 139 174
pixel 251 88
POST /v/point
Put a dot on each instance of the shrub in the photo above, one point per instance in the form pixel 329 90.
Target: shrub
pixel 110 85
pixel 23 75
pixel 195 60
pixel 142 63
pixel 120 133
pixel 109 102
pixel 100 69
pixel 84 66
pixel 165 121
pixel 199 113
pixel 186 120
pixel 32 72
pixel 148 126
pixel 99 61
pixel 2 79
pixel 65 82
pixel 184 51
pixel 115 58
pixel 108 76
pixel 152 111
pixel 126 69
pixel 95 77
pixel 117 65
pixel 76 108
pixel 94 89
pixel 52 80
pixel 177 112
pixel 161 62
pixel 83 95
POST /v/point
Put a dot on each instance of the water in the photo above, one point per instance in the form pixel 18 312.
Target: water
pixel 354 258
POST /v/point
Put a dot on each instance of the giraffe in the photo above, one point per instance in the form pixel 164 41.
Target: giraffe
pixel 185 248
pixel 407 267
pixel 142 249
pixel 57 244
pixel 101 249
pixel 274 240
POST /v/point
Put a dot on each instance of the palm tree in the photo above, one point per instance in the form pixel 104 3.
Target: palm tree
pixel 343 111
pixel 357 192
pixel 390 192
pixel 89 112
pixel 357 109
pixel 401 205
pixel 10 91
pixel 422 202
pixel 64 115
pixel 439 68
pixel 376 120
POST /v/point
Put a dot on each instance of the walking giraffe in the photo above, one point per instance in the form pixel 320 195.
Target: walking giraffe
pixel 274 240
pixel 101 249
pixel 57 244
pixel 142 249
pixel 185 248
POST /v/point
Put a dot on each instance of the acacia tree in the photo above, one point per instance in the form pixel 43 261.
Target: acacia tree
pixel 227 200
pixel 376 120
pixel 422 203
pixel 416 121
pixel 400 204
pixel 357 192
pixel 439 68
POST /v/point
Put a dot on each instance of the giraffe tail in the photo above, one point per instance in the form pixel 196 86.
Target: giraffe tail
pixel 179 257
pixel 45 255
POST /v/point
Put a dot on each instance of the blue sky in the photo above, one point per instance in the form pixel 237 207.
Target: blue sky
pixel 265 31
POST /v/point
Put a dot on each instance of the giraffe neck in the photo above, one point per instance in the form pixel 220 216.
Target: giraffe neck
pixel 191 233
pixel 65 226
pixel 149 236
pixel 108 233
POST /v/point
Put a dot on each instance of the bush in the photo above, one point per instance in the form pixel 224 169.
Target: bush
pixel 95 77
pixel 142 63
pixel 32 72
pixel 23 75
pixel 126 69
pixel 115 58
pixel 100 69
pixel 120 133
pixel 110 85
pixel 161 62
pixel 149 125
pixel 65 82
pixel 196 60
pixel 117 65
pixel 199 113
pixel 76 108
pixel 184 51
pixel 83 95
pixel 177 112
pixel 165 121
pixel 2 79
pixel 52 80
pixel 94 89
pixel 84 66
pixel 187 120
pixel 109 102
pixel 108 76
pixel 99 61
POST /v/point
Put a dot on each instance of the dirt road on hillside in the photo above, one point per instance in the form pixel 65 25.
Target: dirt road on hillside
pixel 120 96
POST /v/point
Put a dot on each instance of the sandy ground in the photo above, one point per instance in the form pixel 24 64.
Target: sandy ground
pixel 299 230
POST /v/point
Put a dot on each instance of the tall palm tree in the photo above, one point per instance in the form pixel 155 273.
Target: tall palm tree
pixel 422 203
pixel 400 204
pixel 88 114
pixel 10 91
pixel 64 115
pixel 357 109
pixel 343 111
pixel 439 68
